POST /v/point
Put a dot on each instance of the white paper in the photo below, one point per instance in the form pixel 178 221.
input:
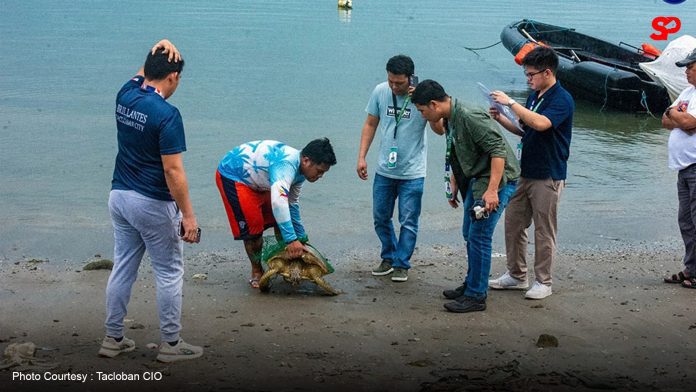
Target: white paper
pixel 504 110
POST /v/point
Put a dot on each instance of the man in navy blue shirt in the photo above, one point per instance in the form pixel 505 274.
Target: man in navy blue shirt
pixel 149 203
pixel 546 120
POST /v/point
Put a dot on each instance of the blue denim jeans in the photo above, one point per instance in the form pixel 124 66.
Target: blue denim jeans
pixel 478 235
pixel 385 191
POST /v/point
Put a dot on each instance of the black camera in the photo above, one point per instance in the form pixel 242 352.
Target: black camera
pixel 478 211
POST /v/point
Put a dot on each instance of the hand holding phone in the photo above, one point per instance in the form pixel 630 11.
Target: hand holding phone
pixel 182 232
pixel 413 80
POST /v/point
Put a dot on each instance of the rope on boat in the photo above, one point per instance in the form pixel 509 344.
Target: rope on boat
pixel 606 90
pixel 643 96
pixel 533 24
pixel 644 103
pixel 485 47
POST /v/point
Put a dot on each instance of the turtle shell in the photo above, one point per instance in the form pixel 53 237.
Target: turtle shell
pixel 316 258
pixel 313 257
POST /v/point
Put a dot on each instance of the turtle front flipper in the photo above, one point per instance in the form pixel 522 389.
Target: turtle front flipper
pixel 322 283
pixel 264 282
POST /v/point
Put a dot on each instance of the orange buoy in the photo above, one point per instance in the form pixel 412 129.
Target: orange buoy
pixel 651 51
pixel 526 48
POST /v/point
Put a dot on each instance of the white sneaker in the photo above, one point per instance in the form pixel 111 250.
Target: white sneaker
pixel 538 291
pixel 111 348
pixel 508 282
pixel 181 351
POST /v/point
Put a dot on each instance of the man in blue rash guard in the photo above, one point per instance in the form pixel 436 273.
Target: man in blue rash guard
pixel 260 184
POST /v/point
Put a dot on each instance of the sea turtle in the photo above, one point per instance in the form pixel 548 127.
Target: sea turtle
pixel 311 266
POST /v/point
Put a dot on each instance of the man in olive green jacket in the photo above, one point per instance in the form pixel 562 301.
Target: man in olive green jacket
pixel 485 171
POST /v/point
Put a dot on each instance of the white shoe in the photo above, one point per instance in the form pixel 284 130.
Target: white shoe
pixel 508 282
pixel 111 348
pixel 181 351
pixel 538 291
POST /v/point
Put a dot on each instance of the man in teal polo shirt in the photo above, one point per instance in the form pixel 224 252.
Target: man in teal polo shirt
pixel 400 172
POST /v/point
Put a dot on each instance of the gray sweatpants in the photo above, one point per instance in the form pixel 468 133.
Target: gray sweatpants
pixel 142 223
pixel 686 190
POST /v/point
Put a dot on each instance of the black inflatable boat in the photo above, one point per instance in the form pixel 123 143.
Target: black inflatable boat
pixel 591 68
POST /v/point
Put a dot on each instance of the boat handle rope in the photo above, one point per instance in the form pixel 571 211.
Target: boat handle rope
pixel 606 92
pixel 644 102
pixel 643 96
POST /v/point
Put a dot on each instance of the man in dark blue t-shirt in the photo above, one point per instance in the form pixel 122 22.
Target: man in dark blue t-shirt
pixel 546 120
pixel 148 202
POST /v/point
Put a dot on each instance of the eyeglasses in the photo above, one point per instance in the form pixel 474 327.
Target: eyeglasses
pixel 530 75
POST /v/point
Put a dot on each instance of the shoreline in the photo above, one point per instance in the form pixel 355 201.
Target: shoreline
pixel 618 327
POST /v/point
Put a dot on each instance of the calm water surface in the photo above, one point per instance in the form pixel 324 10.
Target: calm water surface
pixel 296 70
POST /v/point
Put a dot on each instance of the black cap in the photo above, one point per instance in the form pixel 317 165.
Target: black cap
pixel 691 58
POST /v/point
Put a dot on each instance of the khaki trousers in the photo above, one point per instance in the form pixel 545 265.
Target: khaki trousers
pixel 534 201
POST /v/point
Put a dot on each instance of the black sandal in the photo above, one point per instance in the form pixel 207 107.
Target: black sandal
pixel 677 278
pixel 689 283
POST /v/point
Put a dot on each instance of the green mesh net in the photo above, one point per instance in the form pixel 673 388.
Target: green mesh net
pixel 271 247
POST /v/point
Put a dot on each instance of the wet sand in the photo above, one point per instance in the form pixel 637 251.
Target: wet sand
pixel 618 328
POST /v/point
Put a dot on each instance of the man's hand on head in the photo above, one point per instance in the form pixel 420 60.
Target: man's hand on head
pixel 168 48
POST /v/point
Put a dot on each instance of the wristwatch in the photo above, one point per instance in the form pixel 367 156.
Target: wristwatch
pixel 511 102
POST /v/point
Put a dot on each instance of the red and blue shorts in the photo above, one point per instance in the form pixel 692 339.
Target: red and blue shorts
pixel 248 211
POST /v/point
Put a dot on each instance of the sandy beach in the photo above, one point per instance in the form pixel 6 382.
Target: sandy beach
pixel 618 328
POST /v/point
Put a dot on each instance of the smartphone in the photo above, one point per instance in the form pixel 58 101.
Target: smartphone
pixel 413 80
pixel 181 232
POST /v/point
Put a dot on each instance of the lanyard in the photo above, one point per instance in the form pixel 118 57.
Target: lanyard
pixel 401 113
pixel 448 152
pixel 448 161
pixel 535 108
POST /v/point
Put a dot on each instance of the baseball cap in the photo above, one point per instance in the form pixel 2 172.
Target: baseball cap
pixel 691 58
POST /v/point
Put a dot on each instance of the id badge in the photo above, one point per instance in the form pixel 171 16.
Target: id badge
pixel 448 186
pixel 518 151
pixel 391 159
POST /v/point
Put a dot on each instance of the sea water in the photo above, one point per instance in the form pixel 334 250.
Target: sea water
pixel 293 71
